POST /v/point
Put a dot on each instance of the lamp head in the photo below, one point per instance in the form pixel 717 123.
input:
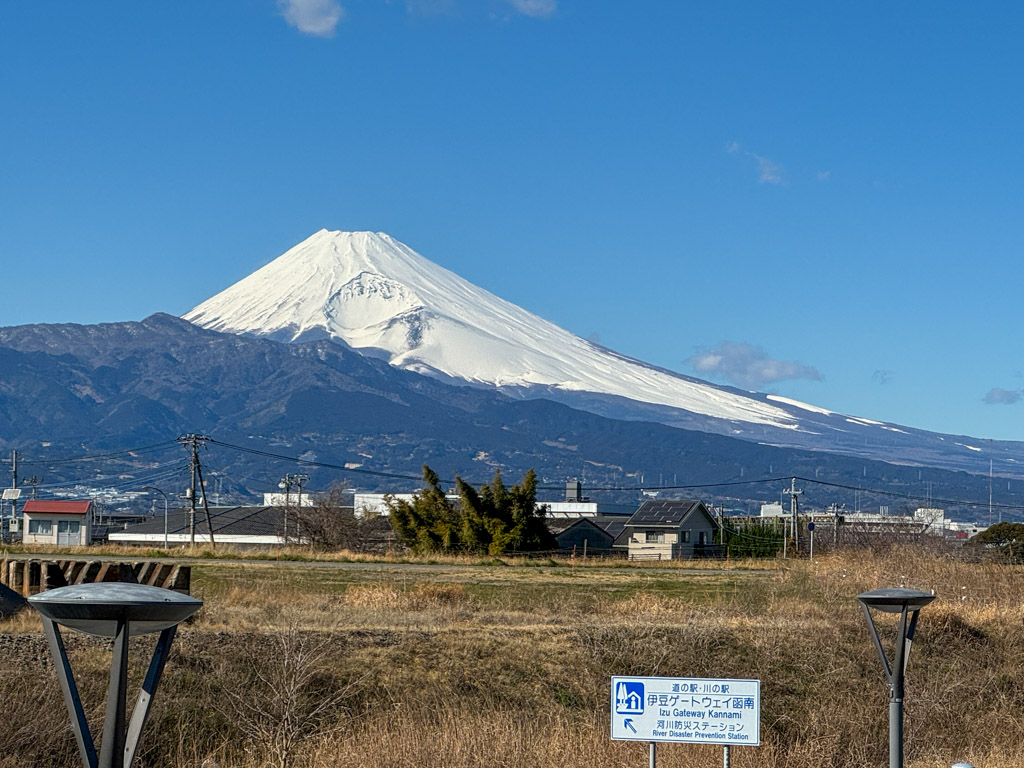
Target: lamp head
pixel 894 600
pixel 96 608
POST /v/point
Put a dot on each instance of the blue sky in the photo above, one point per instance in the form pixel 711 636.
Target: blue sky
pixel 818 200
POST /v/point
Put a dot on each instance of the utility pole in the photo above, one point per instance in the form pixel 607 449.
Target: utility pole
pixel 990 491
pixel 196 471
pixel 793 494
pixel 13 494
pixel 834 509
pixel 287 483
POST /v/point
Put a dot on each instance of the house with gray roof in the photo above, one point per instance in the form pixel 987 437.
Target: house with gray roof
pixel 241 526
pixel 670 529
pixel 580 535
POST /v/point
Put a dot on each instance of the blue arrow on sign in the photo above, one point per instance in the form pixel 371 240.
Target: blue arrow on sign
pixel 628 723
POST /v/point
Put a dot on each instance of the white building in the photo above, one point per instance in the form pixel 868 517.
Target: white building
pixel 373 504
pixel 61 523
pixel 278 499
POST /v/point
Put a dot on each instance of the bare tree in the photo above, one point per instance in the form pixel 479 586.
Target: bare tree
pixel 330 524
pixel 287 694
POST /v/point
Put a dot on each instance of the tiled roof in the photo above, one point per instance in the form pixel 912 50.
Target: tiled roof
pixel 51 507
pixel 237 521
pixel 560 525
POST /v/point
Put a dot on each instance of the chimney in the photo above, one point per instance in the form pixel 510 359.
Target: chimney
pixel 574 490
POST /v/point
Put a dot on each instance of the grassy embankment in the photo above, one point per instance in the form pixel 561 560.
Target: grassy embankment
pixel 384 666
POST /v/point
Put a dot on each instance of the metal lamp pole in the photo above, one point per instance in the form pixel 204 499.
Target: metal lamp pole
pixel 286 486
pixel 907 603
pixel 151 488
pixel 115 611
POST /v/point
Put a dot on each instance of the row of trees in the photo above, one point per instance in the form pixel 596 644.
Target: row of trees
pixel 494 519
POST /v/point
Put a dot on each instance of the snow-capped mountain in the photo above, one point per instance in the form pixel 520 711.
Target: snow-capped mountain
pixel 380 297
pixel 376 294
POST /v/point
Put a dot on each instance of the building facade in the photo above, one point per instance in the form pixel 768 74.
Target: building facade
pixel 60 523
pixel 670 530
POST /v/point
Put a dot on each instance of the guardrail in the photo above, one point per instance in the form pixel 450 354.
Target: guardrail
pixel 32 576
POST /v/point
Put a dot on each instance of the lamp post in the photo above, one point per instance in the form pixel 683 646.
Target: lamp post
pixel 908 603
pixel 286 486
pixel 117 611
pixel 151 488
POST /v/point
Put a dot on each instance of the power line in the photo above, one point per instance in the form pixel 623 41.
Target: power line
pixel 115 480
pixel 94 457
pixel 311 463
pixel 911 497
pixel 634 488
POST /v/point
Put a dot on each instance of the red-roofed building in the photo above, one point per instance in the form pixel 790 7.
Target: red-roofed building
pixel 61 523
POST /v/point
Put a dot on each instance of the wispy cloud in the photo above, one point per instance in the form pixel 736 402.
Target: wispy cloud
pixel 1000 396
pixel 768 171
pixel 538 9
pixel 313 17
pixel 749 366
pixel 881 376
pixel 824 175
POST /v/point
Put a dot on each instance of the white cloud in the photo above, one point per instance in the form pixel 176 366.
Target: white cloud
pixel 768 171
pixel 749 366
pixel 1000 396
pixel 313 17
pixel 824 175
pixel 539 9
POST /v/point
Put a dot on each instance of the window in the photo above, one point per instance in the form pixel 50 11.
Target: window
pixel 655 537
pixel 703 538
pixel 41 527
pixel 685 537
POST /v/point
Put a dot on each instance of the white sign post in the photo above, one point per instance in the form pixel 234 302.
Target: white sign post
pixel 686 710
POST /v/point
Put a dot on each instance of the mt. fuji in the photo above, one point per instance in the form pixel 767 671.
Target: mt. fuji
pixel 378 296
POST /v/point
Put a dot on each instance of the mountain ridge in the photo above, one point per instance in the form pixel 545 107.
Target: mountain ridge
pixel 72 389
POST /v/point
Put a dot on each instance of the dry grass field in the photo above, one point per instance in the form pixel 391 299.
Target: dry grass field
pixel 474 664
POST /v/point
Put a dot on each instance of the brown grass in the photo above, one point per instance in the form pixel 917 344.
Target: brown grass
pixel 497 666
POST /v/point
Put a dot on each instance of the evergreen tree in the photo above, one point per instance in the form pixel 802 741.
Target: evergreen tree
pixel 496 519
pixel 1003 539
pixel 430 522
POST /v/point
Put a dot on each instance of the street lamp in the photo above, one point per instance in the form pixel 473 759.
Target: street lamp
pixel 907 603
pixel 151 488
pixel 118 611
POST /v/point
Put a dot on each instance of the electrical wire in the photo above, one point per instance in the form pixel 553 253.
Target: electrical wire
pixel 415 478
pixel 94 457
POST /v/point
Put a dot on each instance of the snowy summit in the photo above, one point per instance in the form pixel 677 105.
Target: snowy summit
pixel 380 296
